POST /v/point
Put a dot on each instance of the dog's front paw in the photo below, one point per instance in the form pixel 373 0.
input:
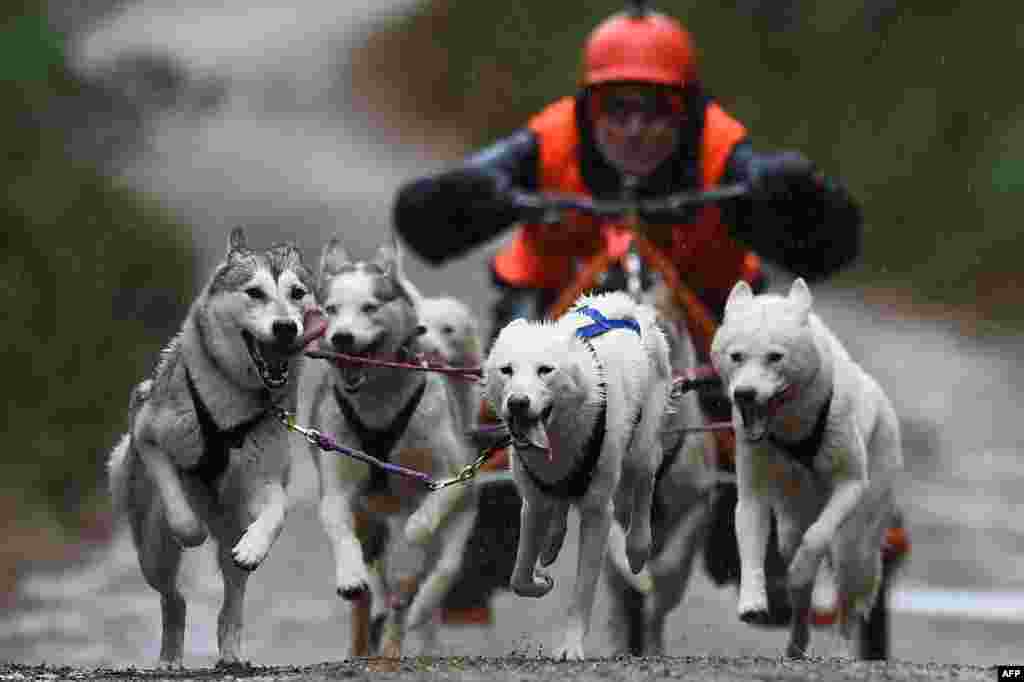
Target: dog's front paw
pixel 638 550
pixel 796 650
pixel 170 665
pixel 540 585
pixel 251 550
pixel 353 584
pixel 556 538
pixel 753 609
pixel 571 649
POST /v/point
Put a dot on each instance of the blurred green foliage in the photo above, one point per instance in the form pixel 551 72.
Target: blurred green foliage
pixel 94 278
pixel 908 103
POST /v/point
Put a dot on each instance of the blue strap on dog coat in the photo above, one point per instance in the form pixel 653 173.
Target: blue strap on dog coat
pixel 602 324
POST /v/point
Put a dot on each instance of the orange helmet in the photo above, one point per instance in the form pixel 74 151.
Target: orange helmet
pixel 640 45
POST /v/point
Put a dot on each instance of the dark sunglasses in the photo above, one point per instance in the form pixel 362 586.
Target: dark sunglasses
pixel 621 103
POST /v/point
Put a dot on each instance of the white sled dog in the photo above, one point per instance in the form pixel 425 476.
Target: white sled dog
pixel 641 603
pixel 583 399
pixel 393 414
pixel 205 452
pixel 450 334
pixel 817 444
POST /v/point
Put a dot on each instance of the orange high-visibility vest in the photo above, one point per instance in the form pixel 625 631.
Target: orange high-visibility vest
pixel 545 256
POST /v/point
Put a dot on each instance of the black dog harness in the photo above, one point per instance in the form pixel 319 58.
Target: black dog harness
pixel 379 442
pixel 575 485
pixel 217 442
pixel 803 451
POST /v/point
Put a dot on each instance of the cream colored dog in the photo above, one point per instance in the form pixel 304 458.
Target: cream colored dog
pixel 450 334
pixel 583 399
pixel 817 445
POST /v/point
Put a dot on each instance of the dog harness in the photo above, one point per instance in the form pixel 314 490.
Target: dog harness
pixel 602 324
pixel 217 442
pixel 803 451
pixel 575 485
pixel 379 442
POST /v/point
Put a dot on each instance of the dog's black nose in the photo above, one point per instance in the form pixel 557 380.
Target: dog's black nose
pixel 518 404
pixel 285 332
pixel 343 342
pixel 744 395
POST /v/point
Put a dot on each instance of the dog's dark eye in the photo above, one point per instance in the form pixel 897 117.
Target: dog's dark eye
pixel 736 357
pixel 545 370
pixel 298 293
pixel 331 310
pixel 506 370
pixel 370 308
pixel 256 294
pixel 447 330
pixel 773 357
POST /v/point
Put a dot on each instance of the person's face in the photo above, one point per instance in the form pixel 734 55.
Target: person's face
pixel 636 126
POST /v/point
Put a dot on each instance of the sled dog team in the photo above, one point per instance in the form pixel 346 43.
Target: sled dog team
pixel 589 407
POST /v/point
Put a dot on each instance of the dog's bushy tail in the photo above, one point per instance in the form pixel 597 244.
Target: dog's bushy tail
pixel 119 472
pixel 121 461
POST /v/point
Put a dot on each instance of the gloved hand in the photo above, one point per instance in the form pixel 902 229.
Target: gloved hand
pixel 479 189
pixel 784 175
pixel 469 185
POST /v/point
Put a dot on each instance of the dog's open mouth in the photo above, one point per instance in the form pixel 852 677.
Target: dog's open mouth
pixel 353 374
pixel 271 360
pixel 755 420
pixel 757 415
pixel 530 432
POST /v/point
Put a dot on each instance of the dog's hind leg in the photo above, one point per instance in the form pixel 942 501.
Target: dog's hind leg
pixel 595 523
pixel 452 541
pixel 800 629
pixel 644 458
pixel 160 561
pixel 670 573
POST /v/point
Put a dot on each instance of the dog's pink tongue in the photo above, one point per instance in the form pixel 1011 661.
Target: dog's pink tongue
pixel 315 325
pixel 537 436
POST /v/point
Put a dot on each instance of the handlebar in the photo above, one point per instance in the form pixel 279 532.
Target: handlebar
pixel 553 205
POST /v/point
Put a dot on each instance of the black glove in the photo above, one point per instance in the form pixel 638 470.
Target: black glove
pixel 469 186
pixel 784 175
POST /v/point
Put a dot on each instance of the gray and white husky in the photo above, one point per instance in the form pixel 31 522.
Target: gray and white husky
pixel 204 452
pixel 394 414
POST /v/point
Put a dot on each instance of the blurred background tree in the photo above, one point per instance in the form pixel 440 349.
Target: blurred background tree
pixel 94 279
pixel 906 102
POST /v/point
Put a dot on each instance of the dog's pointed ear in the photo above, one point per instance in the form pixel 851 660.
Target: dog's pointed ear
pixel 800 296
pixel 236 240
pixel 332 258
pixel 741 293
pixel 389 257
